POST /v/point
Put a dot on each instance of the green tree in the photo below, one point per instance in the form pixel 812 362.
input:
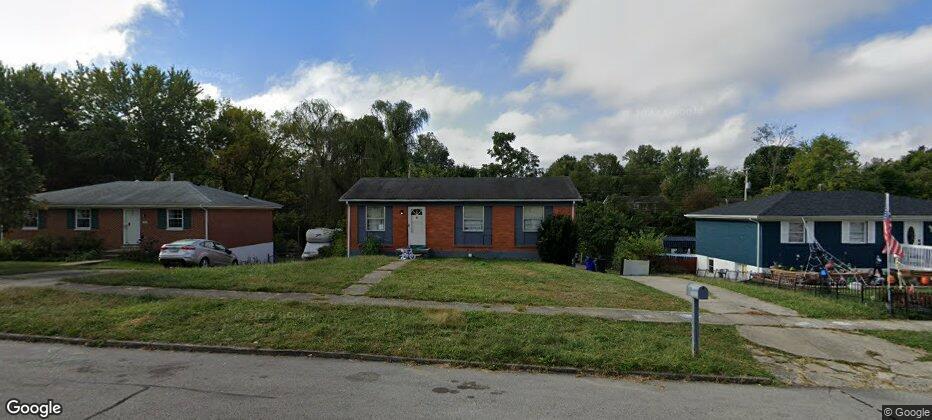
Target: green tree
pixel 643 173
pixel 774 151
pixel 429 157
pixel 18 178
pixel 767 168
pixel 401 123
pixel 508 161
pixel 682 171
pixel 823 164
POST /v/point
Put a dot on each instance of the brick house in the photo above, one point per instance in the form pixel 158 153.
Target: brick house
pixel 484 217
pixel 125 214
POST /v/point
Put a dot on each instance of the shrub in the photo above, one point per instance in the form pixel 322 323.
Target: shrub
pixel 14 250
pixel 47 247
pixel 638 246
pixel 372 246
pixel 85 243
pixel 557 239
pixel 599 228
pixel 337 247
pixel 148 251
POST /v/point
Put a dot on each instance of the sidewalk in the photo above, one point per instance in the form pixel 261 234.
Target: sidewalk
pixel 722 301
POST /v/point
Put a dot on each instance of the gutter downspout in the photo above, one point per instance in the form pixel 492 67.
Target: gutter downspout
pixel 348 227
pixel 757 256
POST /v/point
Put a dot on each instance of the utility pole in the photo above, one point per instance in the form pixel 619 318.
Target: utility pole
pixel 747 185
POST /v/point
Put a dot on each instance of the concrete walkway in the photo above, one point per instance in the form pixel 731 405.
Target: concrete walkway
pixel 364 284
pixel 45 278
pixel 722 301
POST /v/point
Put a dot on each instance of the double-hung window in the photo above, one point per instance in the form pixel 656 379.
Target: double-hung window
pixel 533 216
pixel 375 218
pixel 797 232
pixel 175 219
pixel 473 218
pixel 82 219
pixel 31 220
pixel 857 232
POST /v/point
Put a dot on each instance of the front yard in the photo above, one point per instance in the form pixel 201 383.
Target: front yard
pixel 520 282
pixel 325 275
pixel 10 268
pixel 491 339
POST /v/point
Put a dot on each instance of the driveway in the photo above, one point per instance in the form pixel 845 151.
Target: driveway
pixel 722 301
pixel 119 383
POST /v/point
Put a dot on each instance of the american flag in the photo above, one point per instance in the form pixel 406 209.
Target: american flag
pixel 892 246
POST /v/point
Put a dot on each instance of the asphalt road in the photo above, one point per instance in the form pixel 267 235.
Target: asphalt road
pixel 118 383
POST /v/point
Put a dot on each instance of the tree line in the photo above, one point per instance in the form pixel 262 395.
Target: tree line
pixel 128 121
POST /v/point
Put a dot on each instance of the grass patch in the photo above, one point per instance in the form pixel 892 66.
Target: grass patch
pixel 488 338
pixel 325 275
pixel 9 268
pixel 520 282
pixel 921 340
pixel 125 265
pixel 806 303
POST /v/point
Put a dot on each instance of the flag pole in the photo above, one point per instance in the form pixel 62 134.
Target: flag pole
pixel 889 257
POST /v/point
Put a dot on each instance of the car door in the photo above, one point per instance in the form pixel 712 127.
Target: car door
pixel 211 252
pixel 222 250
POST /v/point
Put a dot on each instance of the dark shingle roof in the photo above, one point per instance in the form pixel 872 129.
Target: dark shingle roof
pixel 150 194
pixel 463 189
pixel 822 203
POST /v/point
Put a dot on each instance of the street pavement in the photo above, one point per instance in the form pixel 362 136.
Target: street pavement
pixel 121 383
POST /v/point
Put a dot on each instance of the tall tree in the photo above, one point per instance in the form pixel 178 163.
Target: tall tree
pixel 642 170
pixel 429 157
pixel 767 167
pixel 18 178
pixel 510 162
pixel 682 171
pixel 824 163
pixel 401 123
pixel 772 141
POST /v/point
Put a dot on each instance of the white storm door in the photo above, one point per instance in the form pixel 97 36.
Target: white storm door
pixel 131 227
pixel 912 233
pixel 417 226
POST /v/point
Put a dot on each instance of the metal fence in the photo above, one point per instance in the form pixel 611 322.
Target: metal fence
pixel 910 302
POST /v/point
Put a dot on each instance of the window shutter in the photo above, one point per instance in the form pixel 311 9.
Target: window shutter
pixel 40 215
pixel 548 211
pixel 95 219
pixel 871 232
pixel 186 218
pixel 810 232
pixel 845 231
pixel 70 216
pixel 784 232
pixel 160 215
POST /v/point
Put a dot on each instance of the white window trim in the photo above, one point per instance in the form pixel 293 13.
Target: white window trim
pixel 524 217
pixel 90 219
pixel 869 237
pixel 384 216
pixel 481 219
pixel 32 227
pixel 168 218
pixel 808 232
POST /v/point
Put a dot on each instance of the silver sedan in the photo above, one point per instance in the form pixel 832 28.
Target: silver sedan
pixel 196 252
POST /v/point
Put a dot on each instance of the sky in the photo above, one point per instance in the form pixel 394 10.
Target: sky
pixel 567 77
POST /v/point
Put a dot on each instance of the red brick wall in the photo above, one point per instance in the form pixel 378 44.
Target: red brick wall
pixel 563 211
pixel 399 227
pixel 503 227
pixel 440 225
pixel 230 227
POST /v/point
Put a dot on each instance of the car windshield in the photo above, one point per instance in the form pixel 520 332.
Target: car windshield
pixel 185 242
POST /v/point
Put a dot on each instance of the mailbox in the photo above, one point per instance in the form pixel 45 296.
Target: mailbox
pixel 697 291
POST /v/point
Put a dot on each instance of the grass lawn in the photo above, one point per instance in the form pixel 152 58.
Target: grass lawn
pixel 919 340
pixel 520 282
pixel 9 268
pixel 488 338
pixel 325 275
pixel 807 304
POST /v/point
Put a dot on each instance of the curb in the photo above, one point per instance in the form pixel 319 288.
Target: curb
pixel 200 348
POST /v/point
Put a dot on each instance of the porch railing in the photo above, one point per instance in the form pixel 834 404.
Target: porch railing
pixel 917 257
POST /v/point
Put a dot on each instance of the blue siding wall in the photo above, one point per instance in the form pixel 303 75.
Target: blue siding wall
pixel 472 238
pixel 829 235
pixel 728 239
pixel 362 234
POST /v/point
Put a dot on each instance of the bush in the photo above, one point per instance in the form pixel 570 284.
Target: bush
pixel 85 243
pixel 47 247
pixel 14 250
pixel 148 251
pixel 337 247
pixel 372 246
pixel 599 228
pixel 557 240
pixel 638 246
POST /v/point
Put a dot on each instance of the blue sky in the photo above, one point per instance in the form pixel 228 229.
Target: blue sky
pixel 567 76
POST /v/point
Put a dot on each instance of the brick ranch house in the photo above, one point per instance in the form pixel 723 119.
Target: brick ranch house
pixel 482 217
pixel 125 214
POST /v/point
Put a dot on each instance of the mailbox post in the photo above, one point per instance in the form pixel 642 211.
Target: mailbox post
pixel 697 292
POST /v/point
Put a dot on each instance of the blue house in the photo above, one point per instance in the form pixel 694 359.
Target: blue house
pixel 776 230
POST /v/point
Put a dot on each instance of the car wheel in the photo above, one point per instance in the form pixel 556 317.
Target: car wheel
pixel 235 262
pixel 205 262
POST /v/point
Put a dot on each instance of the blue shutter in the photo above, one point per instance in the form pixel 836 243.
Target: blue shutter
pixel 186 218
pixel 388 235
pixel 548 211
pixel 41 216
pixel 487 229
pixel 360 224
pixel 160 219
pixel 70 218
pixel 95 219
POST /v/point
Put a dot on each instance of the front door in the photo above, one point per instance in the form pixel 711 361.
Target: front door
pixel 912 233
pixel 131 228
pixel 417 226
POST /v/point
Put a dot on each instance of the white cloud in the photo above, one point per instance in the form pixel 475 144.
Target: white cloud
pixel 61 32
pixel 889 66
pixel 209 90
pixel 894 145
pixel 465 147
pixel 512 121
pixel 353 93
pixel 502 19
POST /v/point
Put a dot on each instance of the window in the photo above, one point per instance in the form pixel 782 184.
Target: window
pixel 375 219
pixel 473 219
pixel 797 233
pixel 175 219
pixel 533 216
pixel 82 219
pixel 31 220
pixel 857 232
